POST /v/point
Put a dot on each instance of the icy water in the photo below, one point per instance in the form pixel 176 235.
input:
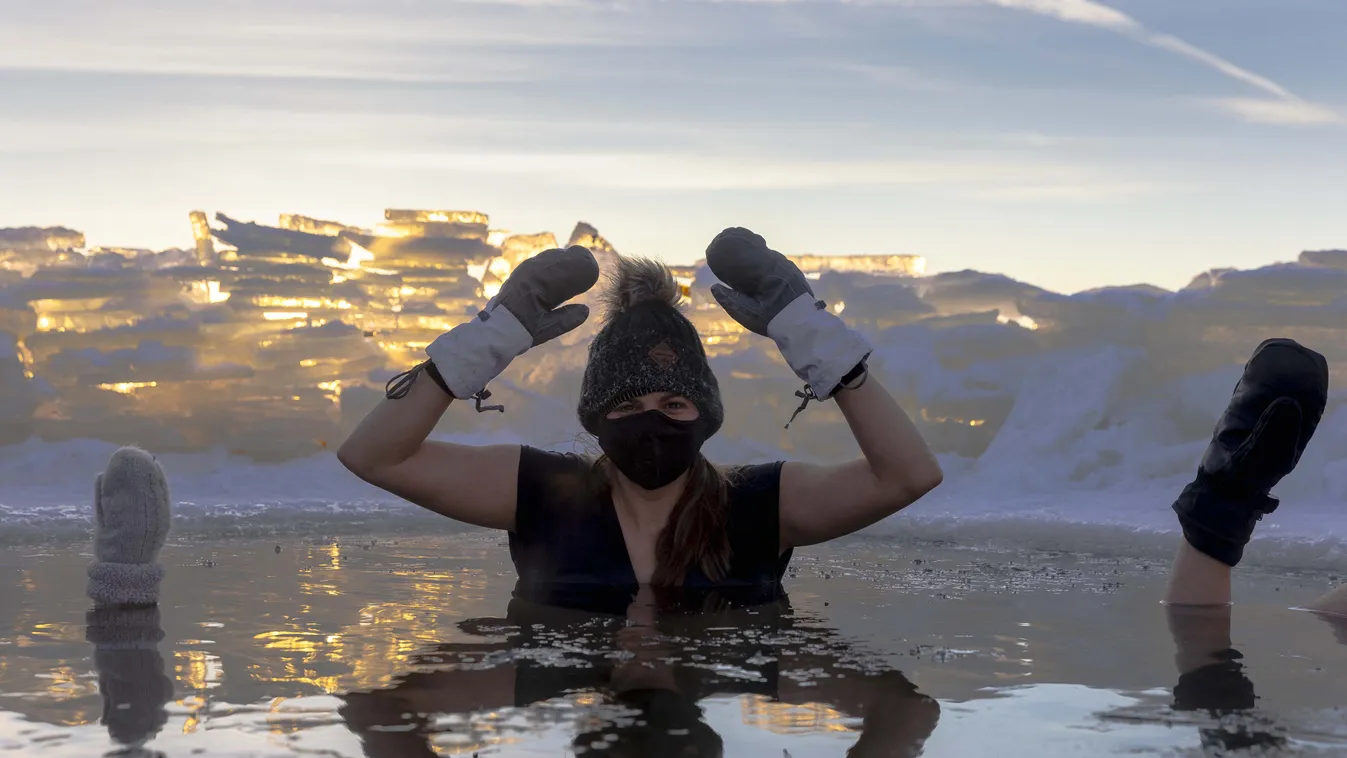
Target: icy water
pixel 415 647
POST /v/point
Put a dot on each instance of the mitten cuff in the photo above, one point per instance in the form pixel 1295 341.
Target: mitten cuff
pixel 123 628
pixel 1220 522
pixel 817 345
pixel 473 353
pixel 113 584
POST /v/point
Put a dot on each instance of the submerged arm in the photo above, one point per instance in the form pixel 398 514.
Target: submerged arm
pixel 820 502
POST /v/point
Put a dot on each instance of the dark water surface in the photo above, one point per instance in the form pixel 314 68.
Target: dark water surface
pixel 415 647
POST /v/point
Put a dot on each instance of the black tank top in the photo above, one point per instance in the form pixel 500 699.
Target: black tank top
pixel 567 533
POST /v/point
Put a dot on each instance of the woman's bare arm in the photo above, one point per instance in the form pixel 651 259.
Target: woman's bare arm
pixel 475 485
pixel 819 503
pixel 389 449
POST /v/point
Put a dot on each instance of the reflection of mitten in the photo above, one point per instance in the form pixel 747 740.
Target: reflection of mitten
pixel 1220 687
pixel 1272 415
pixel 131 522
pixel 131 676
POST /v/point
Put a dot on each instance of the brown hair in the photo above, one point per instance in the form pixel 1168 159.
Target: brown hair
pixel 697 531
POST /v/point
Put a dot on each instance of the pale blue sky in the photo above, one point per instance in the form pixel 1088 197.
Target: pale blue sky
pixel 1069 143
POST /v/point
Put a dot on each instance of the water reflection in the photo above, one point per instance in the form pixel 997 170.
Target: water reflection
pixel 1212 680
pixel 422 647
pixel 628 671
pixel 132 682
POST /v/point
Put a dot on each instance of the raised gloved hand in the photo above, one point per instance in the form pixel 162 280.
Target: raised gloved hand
pixel 527 312
pixel 768 295
pixel 131 523
pixel 1273 413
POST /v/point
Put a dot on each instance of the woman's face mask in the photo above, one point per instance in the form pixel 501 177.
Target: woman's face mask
pixel 650 448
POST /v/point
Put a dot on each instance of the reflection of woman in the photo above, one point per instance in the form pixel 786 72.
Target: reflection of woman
pixel 634 652
pixel 652 509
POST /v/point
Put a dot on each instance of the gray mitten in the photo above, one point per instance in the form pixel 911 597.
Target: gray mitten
pixel 131 677
pixel 527 312
pixel 131 522
pixel 768 295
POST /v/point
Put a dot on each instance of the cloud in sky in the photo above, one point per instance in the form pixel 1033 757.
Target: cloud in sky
pixel 1282 107
pixel 1039 137
pixel 390 43
pixel 985 176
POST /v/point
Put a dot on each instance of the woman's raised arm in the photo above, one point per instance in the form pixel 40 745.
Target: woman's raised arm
pixel 475 485
pixel 768 295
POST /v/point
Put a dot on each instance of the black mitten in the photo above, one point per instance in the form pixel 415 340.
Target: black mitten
pixel 1272 415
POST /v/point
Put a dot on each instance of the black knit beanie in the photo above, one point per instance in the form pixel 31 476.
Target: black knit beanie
pixel 646 345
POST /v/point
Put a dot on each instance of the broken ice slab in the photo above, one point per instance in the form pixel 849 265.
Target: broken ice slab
pixel 40 238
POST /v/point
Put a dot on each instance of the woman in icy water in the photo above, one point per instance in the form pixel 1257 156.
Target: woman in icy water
pixel 652 509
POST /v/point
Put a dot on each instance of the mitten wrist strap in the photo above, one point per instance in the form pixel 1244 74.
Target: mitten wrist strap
pixel 473 353
pixel 817 345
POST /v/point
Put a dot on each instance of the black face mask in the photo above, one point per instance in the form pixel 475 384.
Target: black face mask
pixel 650 448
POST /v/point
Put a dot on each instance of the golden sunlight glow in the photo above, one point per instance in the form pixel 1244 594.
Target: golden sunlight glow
pixel 389 230
pixel 491 289
pixel 207 292
pixel 790 718
pixel 308 363
pixel 333 386
pixel 271 301
pixel 1023 321
pixel 26 358
pixel 401 216
pixel 127 388
pixel 437 323
pixel 500 267
pixel 354 262
pixel 838 307
pixel 927 416
pixel 284 315
pixel 887 265
pixel 198 669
